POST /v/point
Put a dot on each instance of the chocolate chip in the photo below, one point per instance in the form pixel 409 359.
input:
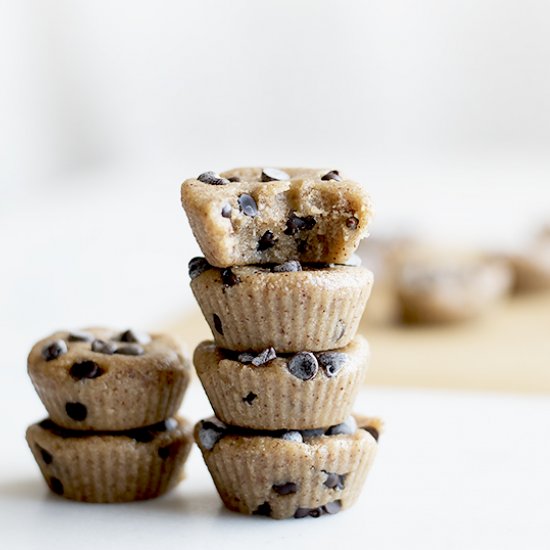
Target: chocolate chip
pixel 100 346
pixel 76 411
pixel 234 179
pixel 46 456
pixel 263 357
pixel 345 428
pixel 352 222
pixel 295 224
pixel 263 510
pixel 218 324
pixel 317 432
pixel 54 350
pixel 56 486
pixel 249 398
pixel 332 507
pixel 164 452
pixel 335 481
pixel 135 337
pixel 340 330
pixel 288 488
pixel 229 278
pixel 85 369
pixel 80 336
pixel 226 211
pixel 210 432
pixel 212 178
pixel 332 175
pixel 245 357
pixel 273 174
pixel 294 436
pixel 248 205
pixel 197 266
pixel 130 349
pixel 303 365
pixel 311 512
pixel 373 431
pixel 143 435
pixel 301 246
pixel 332 362
pixel 267 240
pixel 288 267
pixel 169 424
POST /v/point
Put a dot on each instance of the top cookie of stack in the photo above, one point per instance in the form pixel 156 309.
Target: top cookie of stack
pixel 310 215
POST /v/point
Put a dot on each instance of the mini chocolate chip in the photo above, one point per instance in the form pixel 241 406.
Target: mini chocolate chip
pixel 245 357
pixel 229 278
pixel 335 481
pixel 295 224
pixel 288 267
pixel 212 178
pixel 56 486
pixel 142 435
pixel 249 398
pixel 318 432
pixel 263 357
pixel 85 369
pixel 197 266
pixel 352 222
pixel 303 365
pixel 80 336
pixel 373 431
pixel 76 411
pixel 263 510
pixel 332 175
pixel 267 240
pixel 340 330
pixel 248 205
pixel 273 174
pixel 332 507
pixel 294 436
pixel 135 337
pixel 311 512
pixel 210 432
pixel 100 346
pixel 288 488
pixel 54 350
pixel 345 428
pixel 226 211
pixel 169 424
pixel 164 452
pixel 332 362
pixel 130 349
pixel 46 456
pixel 234 179
pixel 218 324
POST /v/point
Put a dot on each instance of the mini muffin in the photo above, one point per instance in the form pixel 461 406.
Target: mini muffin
pixel 289 473
pixel 254 215
pixel 267 391
pixel 532 265
pixel 290 307
pixel 443 290
pixel 111 466
pixel 99 379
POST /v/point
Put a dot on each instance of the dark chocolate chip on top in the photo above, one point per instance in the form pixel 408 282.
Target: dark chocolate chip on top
pixel 134 337
pixel 212 178
pixel 130 349
pixel 303 365
pixel 332 175
pixel 105 347
pixel 54 349
pixel 274 174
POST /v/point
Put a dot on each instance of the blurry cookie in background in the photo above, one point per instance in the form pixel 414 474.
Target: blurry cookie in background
pixel 532 265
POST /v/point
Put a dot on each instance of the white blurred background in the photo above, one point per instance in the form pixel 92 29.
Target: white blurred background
pixel 442 109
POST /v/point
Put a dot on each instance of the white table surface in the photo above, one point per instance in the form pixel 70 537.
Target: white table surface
pixel 454 470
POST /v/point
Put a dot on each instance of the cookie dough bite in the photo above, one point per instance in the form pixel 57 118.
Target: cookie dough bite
pixel 289 474
pixel 532 265
pixel 449 288
pixel 290 306
pixel 111 467
pixel 101 379
pixel 267 391
pixel 266 215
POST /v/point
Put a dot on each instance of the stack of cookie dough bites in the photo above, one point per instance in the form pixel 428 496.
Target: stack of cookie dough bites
pixel 283 298
pixel 112 434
